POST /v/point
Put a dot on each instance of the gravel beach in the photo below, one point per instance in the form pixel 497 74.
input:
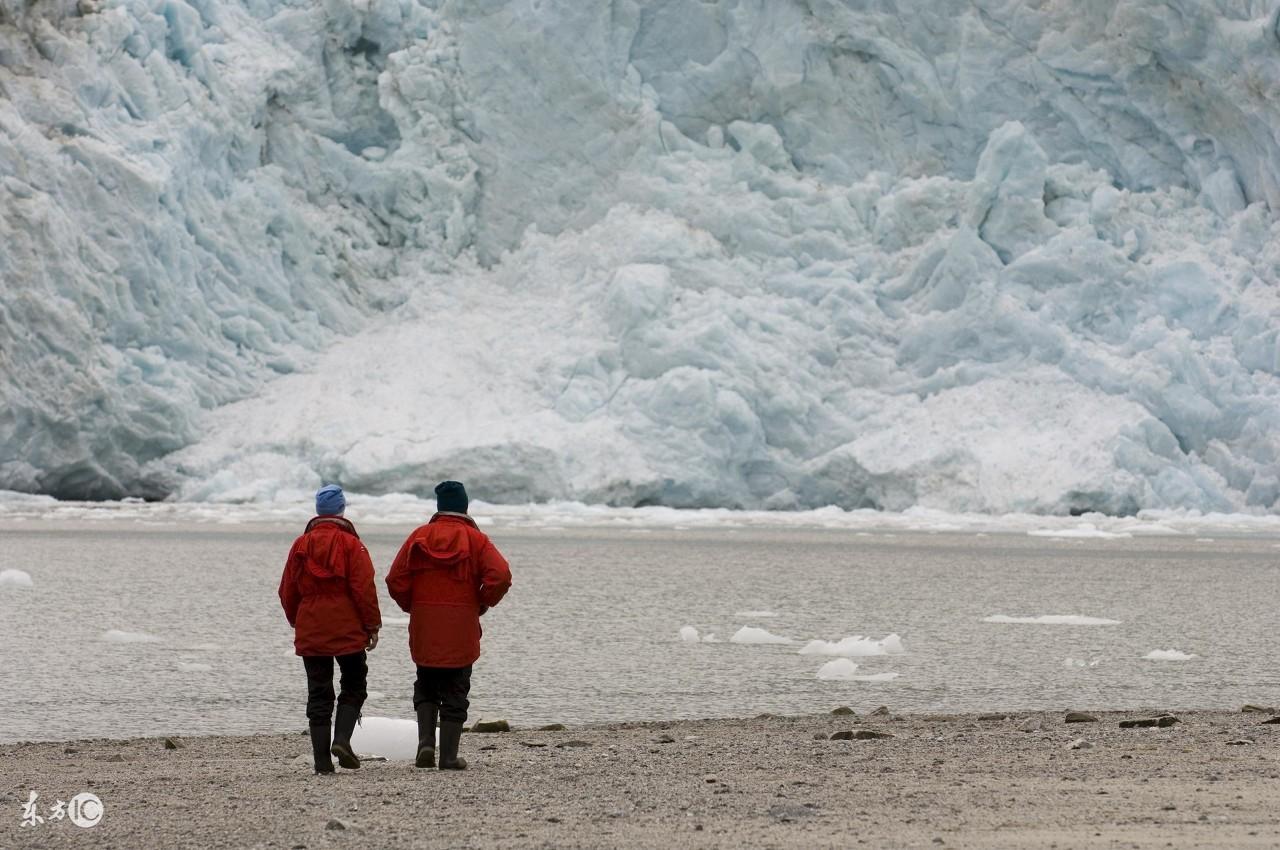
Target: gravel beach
pixel 1211 779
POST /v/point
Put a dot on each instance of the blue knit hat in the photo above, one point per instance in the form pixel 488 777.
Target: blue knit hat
pixel 451 496
pixel 330 501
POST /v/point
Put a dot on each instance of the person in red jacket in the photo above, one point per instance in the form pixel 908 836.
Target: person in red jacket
pixel 446 575
pixel 329 598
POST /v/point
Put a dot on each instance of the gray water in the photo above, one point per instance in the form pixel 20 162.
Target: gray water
pixel 590 629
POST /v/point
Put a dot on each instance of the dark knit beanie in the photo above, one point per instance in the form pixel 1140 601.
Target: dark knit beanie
pixel 451 496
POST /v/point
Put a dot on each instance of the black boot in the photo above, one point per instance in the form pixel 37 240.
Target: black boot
pixel 427 734
pixel 343 725
pixel 320 748
pixel 450 736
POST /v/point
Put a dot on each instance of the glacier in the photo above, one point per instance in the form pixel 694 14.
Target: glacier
pixel 980 256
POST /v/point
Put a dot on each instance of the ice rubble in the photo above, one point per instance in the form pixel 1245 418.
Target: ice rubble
pixel 759 255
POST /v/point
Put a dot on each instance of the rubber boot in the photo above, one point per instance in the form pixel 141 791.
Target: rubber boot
pixel 450 736
pixel 427 713
pixel 343 725
pixel 320 748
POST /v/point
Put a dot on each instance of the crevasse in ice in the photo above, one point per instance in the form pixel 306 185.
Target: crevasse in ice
pixel 973 256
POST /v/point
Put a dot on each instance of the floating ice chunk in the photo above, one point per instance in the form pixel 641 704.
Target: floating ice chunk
pixel 1169 655
pixel 688 634
pixel 389 737
pixel 710 638
pixel 750 634
pixel 1080 663
pixel 754 615
pixel 118 636
pixel 855 646
pixel 839 669
pixel 877 677
pixel 15 578
pixel 1052 620
pixel 194 667
pixel 844 670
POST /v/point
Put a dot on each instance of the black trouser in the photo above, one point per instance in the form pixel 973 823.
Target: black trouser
pixel 355 676
pixel 446 687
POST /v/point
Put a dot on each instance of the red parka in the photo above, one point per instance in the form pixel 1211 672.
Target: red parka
pixel 327 590
pixel 446 575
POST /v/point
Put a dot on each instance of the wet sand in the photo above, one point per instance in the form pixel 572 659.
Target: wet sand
pixel 1211 780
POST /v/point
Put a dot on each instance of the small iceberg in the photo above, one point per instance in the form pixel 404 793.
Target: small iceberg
pixel 753 635
pixel 855 646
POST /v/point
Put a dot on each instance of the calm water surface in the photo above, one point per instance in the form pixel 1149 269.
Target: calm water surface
pixel 590 629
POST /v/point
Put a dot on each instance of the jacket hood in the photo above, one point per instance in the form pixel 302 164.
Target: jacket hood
pixel 322 555
pixel 443 542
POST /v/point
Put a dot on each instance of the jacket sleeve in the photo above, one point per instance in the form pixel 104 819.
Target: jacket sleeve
pixel 399 579
pixel 290 598
pixel 362 589
pixel 495 575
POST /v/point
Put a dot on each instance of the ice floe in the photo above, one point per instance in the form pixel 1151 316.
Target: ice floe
pixel 1052 620
pixel 855 646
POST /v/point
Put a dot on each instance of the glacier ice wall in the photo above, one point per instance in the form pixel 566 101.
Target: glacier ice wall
pixel 971 255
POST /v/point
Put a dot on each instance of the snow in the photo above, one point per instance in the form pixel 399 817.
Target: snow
pixel 15 578
pixel 855 646
pixel 1169 655
pixel 844 670
pixel 118 636
pixel 750 255
pixel 752 635
pixel 1052 620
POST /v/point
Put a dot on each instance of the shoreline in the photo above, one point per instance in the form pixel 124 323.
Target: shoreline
pixel 971 780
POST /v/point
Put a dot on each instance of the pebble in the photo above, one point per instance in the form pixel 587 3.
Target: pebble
pixel 533 743
pixel 882 711
pixel 1242 742
pixel 844 711
pixel 993 717
pixel 334 823
pixel 1260 709
pixel 1275 719
pixel 842 735
pixel 573 744
pixel 552 727
pixel 1033 724
pixel 486 726
pixel 1080 744
pixel 1162 721
pixel 171 744
pixel 1079 717
pixel 870 735
pixel 665 739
